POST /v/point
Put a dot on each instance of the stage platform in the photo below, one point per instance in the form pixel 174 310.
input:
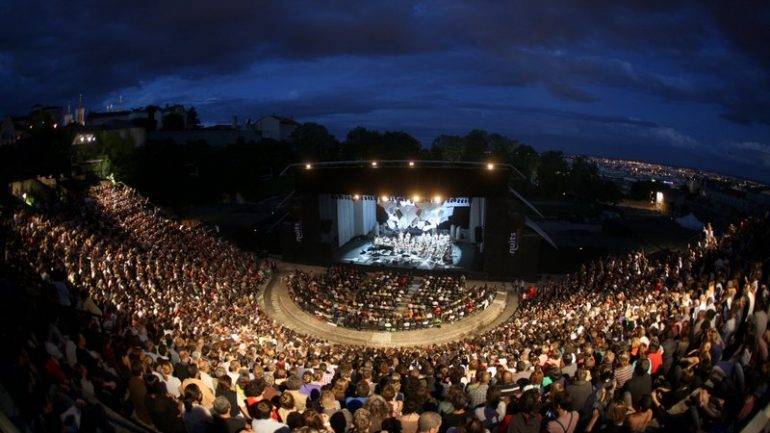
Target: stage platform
pixel 359 252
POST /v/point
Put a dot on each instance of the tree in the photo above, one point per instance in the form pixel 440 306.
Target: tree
pixel 173 122
pixel 314 143
pixel 586 183
pixel 501 148
pixel 399 145
pixel 552 173
pixel 193 122
pixel 475 145
pixel 526 160
pixel 448 147
pixel 111 154
pixel 362 143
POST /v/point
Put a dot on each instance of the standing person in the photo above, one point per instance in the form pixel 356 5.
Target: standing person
pixel 293 384
pixel 194 377
pixel 566 420
pixel 527 419
pixel 430 422
pixel 137 393
pixel 409 418
pixel 287 406
pixel 263 423
pixel 221 421
pixel 493 411
pixel 196 416
pixel 580 391
pixel 640 384
pixel 458 416
pixel 389 394
pixel 477 391
pixel 163 410
pixel 362 420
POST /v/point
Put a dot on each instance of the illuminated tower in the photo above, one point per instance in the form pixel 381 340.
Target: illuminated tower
pixel 80 112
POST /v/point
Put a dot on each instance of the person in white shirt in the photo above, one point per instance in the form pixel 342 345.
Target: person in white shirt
pixel 263 423
pixel 166 374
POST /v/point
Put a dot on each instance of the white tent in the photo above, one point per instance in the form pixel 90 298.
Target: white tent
pixel 689 221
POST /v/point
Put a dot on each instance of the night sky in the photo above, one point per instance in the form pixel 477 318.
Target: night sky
pixel 685 83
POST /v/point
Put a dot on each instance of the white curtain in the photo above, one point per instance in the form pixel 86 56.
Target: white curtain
pixel 345 220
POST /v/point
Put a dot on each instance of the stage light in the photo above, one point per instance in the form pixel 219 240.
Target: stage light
pixel 437 199
pixel 356 196
pixel 384 198
pixel 415 198
pixel 374 164
pixel 490 166
pixel 308 166
pixel 411 163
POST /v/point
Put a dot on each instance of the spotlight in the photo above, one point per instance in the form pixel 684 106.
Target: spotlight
pixel 356 196
pixel 374 164
pixel 384 198
pixel 490 166
pixel 308 166
pixel 415 198
pixel 411 163
pixel 436 199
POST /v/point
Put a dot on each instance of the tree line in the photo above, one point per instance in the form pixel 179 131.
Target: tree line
pixel 191 173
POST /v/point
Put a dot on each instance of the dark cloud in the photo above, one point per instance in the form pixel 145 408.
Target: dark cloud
pixel 98 45
pixel 413 60
pixel 340 102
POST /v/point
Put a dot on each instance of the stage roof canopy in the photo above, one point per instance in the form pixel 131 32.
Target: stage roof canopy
pixel 403 177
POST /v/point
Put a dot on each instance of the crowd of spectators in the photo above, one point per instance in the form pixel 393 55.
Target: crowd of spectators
pixel 163 324
pixel 386 301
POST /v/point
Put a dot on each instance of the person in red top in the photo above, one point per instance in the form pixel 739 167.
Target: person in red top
pixel 655 357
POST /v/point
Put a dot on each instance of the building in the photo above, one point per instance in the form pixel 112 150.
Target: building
pixel 740 200
pixel 216 136
pixel 147 117
pixel 12 130
pixel 276 127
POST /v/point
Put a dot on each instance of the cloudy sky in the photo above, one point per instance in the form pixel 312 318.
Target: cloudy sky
pixel 685 83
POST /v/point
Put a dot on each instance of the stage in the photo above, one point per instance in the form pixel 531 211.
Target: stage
pixel 342 209
pixel 361 251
